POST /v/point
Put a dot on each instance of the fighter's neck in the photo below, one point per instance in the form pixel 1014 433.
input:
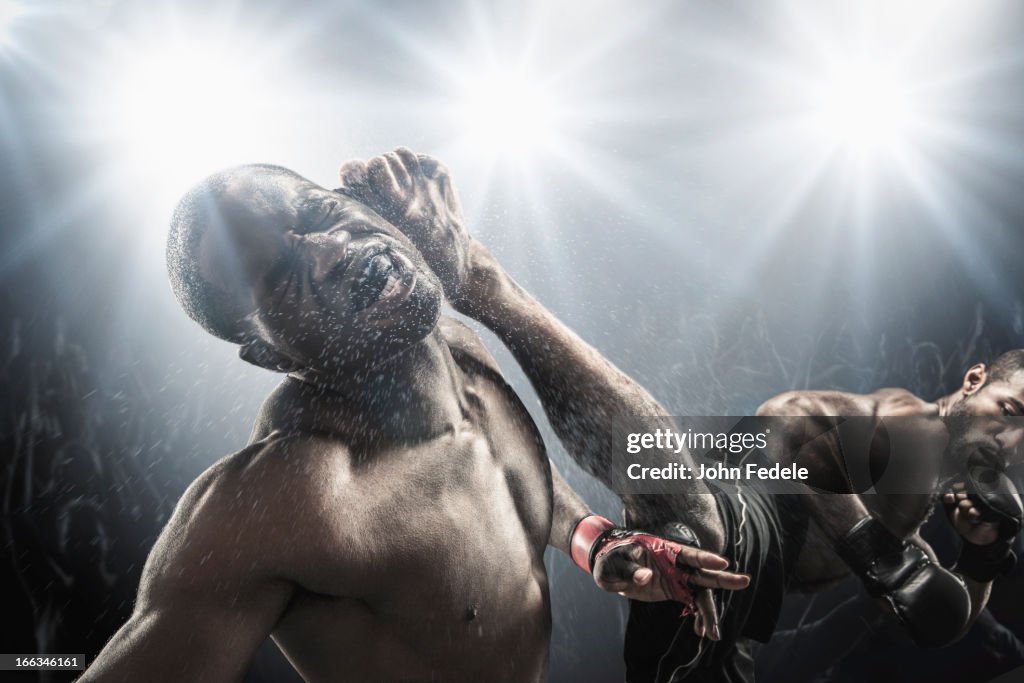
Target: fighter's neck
pixel 946 403
pixel 410 397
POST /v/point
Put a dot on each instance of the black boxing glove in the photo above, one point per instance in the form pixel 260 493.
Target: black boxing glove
pixel 932 603
pixel 985 563
pixel 995 496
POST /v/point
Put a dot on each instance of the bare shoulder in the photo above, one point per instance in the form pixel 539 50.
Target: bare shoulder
pixel 815 404
pixel 465 344
pixel 895 402
pixel 884 402
pixel 270 475
pixel 248 516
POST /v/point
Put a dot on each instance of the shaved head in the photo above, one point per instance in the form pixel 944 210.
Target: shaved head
pixel 207 261
pixel 295 274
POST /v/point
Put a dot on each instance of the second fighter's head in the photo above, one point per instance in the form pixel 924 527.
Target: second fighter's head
pixel 986 414
pixel 298 276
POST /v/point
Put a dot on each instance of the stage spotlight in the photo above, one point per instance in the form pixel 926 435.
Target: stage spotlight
pixel 10 12
pixel 183 109
pixel 509 112
pixel 862 108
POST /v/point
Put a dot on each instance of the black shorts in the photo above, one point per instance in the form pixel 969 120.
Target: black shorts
pixel 764 534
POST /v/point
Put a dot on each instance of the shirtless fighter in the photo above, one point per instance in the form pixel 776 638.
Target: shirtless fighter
pixel 762 533
pixel 969 437
pixel 389 517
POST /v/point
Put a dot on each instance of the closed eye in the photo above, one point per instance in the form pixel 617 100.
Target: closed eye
pixel 315 214
pixel 330 212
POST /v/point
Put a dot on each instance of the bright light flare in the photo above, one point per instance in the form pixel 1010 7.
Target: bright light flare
pixel 10 12
pixel 863 108
pixel 508 112
pixel 181 110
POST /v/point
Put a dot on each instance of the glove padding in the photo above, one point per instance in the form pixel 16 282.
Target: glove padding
pixel 932 603
pixel 995 496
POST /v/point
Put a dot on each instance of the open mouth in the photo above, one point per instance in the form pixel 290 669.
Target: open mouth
pixel 385 276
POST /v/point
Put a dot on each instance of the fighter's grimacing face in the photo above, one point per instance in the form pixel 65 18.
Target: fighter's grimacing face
pixel 332 283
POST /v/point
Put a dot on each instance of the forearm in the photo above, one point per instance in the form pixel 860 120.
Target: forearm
pixel 580 390
pixel 568 510
pixel 563 367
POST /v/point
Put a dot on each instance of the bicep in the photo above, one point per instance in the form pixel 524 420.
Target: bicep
pixel 210 594
pixel 180 637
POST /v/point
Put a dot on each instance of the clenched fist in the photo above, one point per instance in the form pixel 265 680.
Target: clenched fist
pixel 414 193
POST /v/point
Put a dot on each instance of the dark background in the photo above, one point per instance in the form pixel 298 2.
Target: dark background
pixel 678 220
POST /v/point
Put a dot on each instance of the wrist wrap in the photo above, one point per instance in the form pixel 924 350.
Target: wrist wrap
pixel 985 563
pixel 595 537
pixel 584 540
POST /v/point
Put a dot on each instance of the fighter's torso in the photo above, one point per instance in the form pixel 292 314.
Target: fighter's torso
pixel 450 536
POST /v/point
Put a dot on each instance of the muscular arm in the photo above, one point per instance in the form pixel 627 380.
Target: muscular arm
pixel 581 391
pixel 211 592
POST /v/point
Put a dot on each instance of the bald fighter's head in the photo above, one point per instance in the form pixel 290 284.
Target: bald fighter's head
pixel 297 275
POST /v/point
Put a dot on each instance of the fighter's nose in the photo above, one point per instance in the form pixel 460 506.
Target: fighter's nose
pixel 1010 438
pixel 329 250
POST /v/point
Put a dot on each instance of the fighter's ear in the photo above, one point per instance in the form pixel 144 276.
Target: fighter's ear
pixel 261 354
pixel 974 379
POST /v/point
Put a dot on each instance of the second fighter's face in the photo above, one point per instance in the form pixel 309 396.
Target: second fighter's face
pixel 333 283
pixel 990 421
